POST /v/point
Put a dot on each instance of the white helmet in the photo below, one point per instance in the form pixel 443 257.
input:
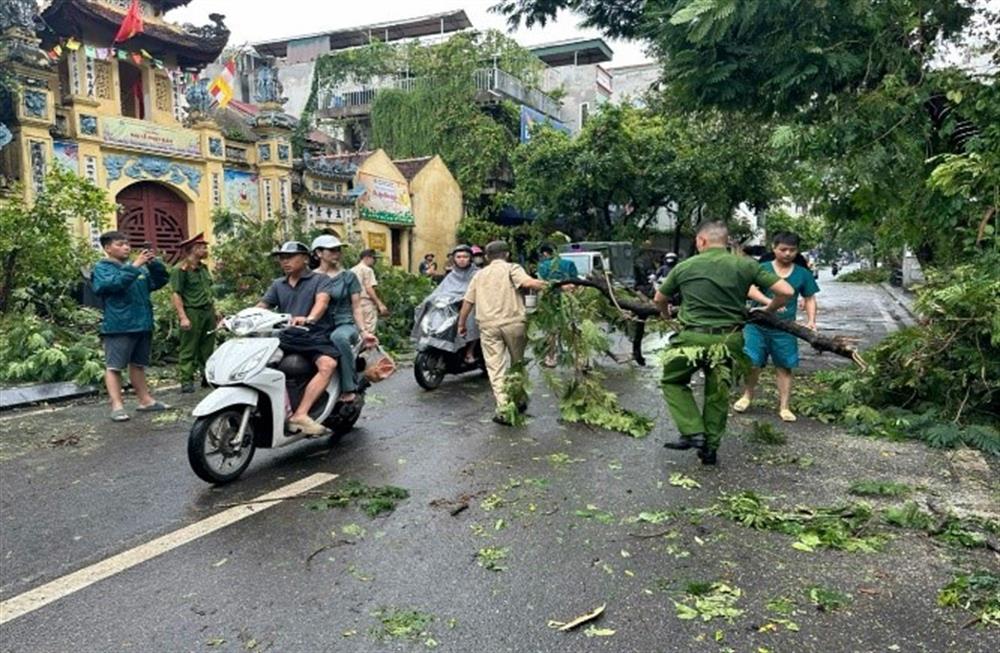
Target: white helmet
pixel 325 242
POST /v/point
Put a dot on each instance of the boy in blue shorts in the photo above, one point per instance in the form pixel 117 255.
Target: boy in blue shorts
pixel 759 343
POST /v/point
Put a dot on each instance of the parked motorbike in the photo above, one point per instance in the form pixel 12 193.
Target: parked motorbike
pixel 257 387
pixel 440 350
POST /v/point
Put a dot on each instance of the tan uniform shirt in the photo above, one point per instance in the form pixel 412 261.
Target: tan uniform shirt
pixel 366 276
pixel 494 292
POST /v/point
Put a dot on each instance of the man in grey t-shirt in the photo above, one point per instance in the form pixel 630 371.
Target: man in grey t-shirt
pixel 305 295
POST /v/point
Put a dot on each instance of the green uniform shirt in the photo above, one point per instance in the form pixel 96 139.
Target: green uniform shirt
pixel 713 287
pixel 194 286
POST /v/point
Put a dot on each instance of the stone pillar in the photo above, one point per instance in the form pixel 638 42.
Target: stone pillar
pixel 274 150
pixel 27 103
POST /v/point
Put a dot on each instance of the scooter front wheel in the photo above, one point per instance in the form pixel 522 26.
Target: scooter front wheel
pixel 429 370
pixel 212 452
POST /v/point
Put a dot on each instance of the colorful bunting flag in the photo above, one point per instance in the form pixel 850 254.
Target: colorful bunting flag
pixel 122 55
pixel 137 58
pixel 90 51
pixel 72 44
pixel 222 87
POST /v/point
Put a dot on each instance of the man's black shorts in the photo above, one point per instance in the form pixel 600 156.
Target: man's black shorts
pixel 124 349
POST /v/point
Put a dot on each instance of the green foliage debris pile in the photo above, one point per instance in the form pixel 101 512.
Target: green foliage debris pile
pixel 939 381
pixel 373 501
pixel 977 592
pixel 865 275
pixel 845 527
pixel 566 323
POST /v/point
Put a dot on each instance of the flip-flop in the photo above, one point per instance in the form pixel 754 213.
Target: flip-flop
pixel 154 407
pixel 119 415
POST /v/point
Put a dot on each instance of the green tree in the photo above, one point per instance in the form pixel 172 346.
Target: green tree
pixel 856 90
pixel 628 163
pixel 39 256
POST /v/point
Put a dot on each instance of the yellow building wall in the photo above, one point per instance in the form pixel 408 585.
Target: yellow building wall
pixel 380 165
pixel 437 210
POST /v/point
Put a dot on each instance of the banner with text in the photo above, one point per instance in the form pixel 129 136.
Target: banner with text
pixel 144 135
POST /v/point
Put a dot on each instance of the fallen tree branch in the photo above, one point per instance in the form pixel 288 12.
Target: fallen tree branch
pixel 644 310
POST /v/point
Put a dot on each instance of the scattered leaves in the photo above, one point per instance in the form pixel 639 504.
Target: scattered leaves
pixel 680 480
pixel 489 558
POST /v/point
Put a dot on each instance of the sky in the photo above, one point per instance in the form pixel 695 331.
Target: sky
pixel 262 20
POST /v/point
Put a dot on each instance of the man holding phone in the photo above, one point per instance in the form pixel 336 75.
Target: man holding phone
pixel 127 327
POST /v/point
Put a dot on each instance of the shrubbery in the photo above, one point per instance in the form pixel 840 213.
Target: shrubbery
pixel 938 381
pixel 866 275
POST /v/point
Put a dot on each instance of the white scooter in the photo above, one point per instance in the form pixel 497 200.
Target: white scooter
pixel 256 387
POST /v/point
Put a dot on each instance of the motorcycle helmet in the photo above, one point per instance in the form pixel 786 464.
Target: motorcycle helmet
pixel 463 248
pixel 290 247
pixel 670 256
pixel 325 242
pixel 476 250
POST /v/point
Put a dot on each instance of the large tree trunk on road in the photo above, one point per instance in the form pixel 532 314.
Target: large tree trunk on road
pixel 643 310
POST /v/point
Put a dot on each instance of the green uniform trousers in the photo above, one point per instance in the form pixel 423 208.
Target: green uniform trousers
pixel 677 373
pixel 197 343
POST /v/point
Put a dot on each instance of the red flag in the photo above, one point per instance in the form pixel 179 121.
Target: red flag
pixel 132 24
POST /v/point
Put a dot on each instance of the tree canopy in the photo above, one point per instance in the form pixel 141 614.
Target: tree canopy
pixel 874 130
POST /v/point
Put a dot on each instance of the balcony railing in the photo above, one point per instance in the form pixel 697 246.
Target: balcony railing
pixel 335 103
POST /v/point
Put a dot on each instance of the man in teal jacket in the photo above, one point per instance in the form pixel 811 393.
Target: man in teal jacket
pixel 127 328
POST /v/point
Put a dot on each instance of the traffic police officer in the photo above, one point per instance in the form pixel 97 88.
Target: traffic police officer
pixel 714 286
pixel 501 316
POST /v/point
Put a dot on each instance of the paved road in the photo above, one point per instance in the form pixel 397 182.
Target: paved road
pixel 76 490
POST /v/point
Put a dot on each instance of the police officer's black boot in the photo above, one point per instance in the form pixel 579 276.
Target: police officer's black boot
pixel 692 441
pixel 706 454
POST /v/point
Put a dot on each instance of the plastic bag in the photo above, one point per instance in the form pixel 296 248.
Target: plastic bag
pixel 379 366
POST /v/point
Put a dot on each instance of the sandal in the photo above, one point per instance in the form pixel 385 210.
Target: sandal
pixel 119 415
pixel 154 407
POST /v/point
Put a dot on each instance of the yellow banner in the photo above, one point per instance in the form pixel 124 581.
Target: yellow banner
pixel 145 135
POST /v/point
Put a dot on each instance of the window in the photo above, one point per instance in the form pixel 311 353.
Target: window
pixel 133 96
pixel 584 113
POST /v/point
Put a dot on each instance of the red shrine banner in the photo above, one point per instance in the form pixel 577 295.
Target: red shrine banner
pixel 132 24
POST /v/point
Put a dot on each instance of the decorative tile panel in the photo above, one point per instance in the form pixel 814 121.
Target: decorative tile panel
pixel 88 125
pixel 151 167
pixel 35 104
pixel 215 146
pixel 264 152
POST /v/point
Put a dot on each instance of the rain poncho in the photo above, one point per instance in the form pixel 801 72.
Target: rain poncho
pixel 435 320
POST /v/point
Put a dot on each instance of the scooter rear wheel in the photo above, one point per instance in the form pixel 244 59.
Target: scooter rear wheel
pixel 211 453
pixel 429 370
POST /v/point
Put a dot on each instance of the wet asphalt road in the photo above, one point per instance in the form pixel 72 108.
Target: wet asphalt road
pixel 297 579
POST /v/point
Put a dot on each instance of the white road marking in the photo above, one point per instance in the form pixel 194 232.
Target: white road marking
pixel 57 589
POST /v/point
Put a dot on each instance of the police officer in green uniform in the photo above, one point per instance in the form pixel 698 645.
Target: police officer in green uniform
pixel 192 298
pixel 713 286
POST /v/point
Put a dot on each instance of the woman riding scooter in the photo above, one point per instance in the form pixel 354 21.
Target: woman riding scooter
pixel 345 311
pixel 441 349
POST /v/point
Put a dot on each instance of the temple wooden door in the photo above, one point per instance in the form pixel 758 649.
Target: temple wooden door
pixel 152 213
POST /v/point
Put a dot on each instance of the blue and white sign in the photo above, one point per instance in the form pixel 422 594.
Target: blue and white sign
pixel 530 118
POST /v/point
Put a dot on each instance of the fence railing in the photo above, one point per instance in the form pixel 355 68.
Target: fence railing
pixel 490 80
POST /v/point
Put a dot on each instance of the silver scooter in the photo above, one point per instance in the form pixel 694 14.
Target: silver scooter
pixel 257 386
